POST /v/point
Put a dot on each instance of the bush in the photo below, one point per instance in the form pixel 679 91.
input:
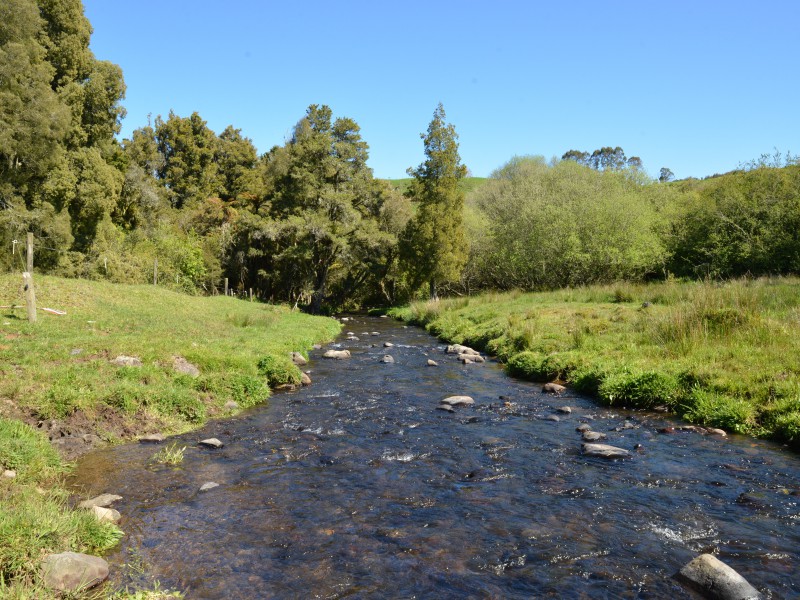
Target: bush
pixel 639 390
pixel 279 370
pixel 717 410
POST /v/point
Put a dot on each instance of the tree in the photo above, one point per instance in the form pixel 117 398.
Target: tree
pixel 434 247
pixel 666 175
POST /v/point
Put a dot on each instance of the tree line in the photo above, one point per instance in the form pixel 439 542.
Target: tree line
pixel 308 223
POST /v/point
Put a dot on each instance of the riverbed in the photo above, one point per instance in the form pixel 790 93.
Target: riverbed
pixel 358 486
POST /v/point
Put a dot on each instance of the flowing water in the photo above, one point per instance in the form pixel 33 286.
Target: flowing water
pixel 358 487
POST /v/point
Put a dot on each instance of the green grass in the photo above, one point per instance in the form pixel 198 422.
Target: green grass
pixel 169 455
pixel 723 355
pixel 60 368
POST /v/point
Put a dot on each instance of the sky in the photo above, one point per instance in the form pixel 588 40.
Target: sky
pixel 696 86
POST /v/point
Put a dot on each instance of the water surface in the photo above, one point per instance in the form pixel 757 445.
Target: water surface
pixel 358 487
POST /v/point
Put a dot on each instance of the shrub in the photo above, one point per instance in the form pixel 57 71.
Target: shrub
pixel 279 370
pixel 717 410
pixel 639 390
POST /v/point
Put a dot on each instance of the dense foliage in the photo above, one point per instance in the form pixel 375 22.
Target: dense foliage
pixel 307 222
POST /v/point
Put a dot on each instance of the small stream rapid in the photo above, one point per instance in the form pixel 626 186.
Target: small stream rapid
pixel 358 487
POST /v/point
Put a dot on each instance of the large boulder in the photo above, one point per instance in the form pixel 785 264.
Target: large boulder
pixel 71 571
pixel 337 354
pixel 712 578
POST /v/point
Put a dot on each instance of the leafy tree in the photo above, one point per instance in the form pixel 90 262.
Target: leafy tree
pixel 434 247
pixel 666 175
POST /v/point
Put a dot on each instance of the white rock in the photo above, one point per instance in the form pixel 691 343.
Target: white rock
pixel 459 349
pixel 208 485
pixel 432 363
pixel 9 474
pixel 101 500
pixel 458 401
pixel 712 578
pixel 212 443
pixel 337 354
pixel 106 515
pixel 604 451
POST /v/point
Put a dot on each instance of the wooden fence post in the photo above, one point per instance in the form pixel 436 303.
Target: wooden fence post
pixel 155 272
pixel 30 296
pixel 226 286
pixel 29 248
pixel 251 294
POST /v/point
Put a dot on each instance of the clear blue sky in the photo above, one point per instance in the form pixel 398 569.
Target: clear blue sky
pixel 697 86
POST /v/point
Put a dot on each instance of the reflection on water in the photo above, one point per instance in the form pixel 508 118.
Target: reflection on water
pixel 358 487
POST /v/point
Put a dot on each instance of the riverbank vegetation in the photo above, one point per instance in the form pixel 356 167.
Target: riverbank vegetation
pixel 60 377
pixel 718 354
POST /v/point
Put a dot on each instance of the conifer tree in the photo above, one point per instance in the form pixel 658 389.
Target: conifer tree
pixel 434 245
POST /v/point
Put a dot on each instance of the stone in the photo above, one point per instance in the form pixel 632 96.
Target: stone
pixel 316 347
pixel 712 578
pixel 106 515
pixel 208 485
pixel 353 338
pixel 583 427
pixel 75 351
pixel 388 345
pixel 432 363
pixel 9 474
pixel 285 387
pixel 298 359
pixel 375 333
pixel 555 418
pixel 211 443
pixel 71 571
pixel 553 388
pixel 565 410
pixel 152 438
pixel 387 359
pixel 231 405
pixel 473 358
pixel 593 436
pixel 102 500
pixel 459 349
pixel 466 360
pixel 127 361
pixel 337 354
pixel 446 407
pixel 715 431
pixel 458 401
pixel 604 451
pixel 181 365
pixel 305 379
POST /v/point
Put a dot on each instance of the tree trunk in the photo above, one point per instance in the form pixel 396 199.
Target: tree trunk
pixel 434 295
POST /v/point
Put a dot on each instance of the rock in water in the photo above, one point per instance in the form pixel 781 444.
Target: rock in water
pixel 153 438
pixel 387 359
pixel 432 363
pixel 553 388
pixel 714 579
pixel 305 379
pixel 298 359
pixel 458 401
pixel 604 451
pixel 459 349
pixel 212 443
pixel 102 500
pixel 106 515
pixel 388 344
pixel 593 436
pixel 71 571
pixel 208 485
pixel 337 354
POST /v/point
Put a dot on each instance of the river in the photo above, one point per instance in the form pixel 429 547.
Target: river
pixel 358 487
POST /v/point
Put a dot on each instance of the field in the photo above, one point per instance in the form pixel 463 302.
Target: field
pixel 725 355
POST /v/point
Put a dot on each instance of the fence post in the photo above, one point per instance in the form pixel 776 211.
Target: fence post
pixel 251 294
pixel 155 272
pixel 29 248
pixel 226 286
pixel 30 296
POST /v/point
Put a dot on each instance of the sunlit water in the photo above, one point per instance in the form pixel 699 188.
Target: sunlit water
pixel 359 487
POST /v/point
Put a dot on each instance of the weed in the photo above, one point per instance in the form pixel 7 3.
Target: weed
pixel 169 455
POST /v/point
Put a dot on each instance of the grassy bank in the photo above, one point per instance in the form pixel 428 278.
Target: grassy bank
pixel 60 371
pixel 722 355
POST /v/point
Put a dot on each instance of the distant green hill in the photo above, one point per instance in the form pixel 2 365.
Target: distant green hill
pixel 468 184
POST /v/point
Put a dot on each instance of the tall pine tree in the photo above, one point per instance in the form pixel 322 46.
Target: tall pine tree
pixel 434 248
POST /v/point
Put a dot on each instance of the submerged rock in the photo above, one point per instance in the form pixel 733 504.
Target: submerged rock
pixel 71 571
pixel 387 359
pixel 593 436
pixel 445 407
pixel 714 579
pixel 564 410
pixel 337 354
